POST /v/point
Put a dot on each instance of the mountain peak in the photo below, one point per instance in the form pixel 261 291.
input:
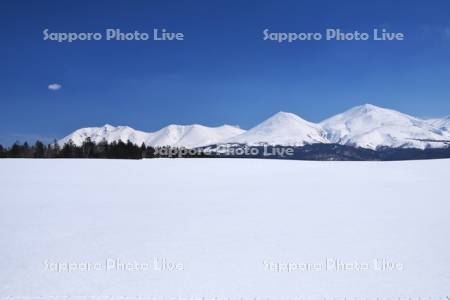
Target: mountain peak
pixel 282 116
pixel 282 113
pixel 370 126
pixel 285 114
pixel 371 106
pixel 108 127
pixel 367 108
pixel 282 128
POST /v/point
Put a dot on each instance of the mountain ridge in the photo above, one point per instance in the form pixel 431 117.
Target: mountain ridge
pixel 366 126
pixel 172 135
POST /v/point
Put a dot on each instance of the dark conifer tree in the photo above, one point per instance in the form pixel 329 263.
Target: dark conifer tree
pixel 15 151
pixel 27 152
pixel 68 150
pixel 53 150
pixel 39 149
pixel 2 152
pixel 88 148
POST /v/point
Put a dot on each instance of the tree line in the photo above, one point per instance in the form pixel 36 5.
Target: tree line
pixel 90 149
pixel 128 150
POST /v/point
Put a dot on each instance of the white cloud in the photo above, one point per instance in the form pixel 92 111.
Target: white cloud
pixel 54 86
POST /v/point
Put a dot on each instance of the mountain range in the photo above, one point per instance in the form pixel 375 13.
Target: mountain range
pixel 189 136
pixel 365 126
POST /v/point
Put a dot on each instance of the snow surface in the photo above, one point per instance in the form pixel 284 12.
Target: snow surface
pixel 222 219
pixel 366 126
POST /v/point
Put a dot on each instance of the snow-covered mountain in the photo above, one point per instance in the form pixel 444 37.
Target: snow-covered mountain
pixel 173 135
pixel 441 123
pixel 366 126
pixel 191 136
pixel 107 132
pixel 369 126
pixel 282 129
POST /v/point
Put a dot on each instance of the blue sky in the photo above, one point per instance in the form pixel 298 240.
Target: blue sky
pixel 223 72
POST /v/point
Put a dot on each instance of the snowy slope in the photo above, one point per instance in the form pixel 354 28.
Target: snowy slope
pixel 282 129
pixel 172 135
pixel 224 220
pixel 370 126
pixel 441 123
